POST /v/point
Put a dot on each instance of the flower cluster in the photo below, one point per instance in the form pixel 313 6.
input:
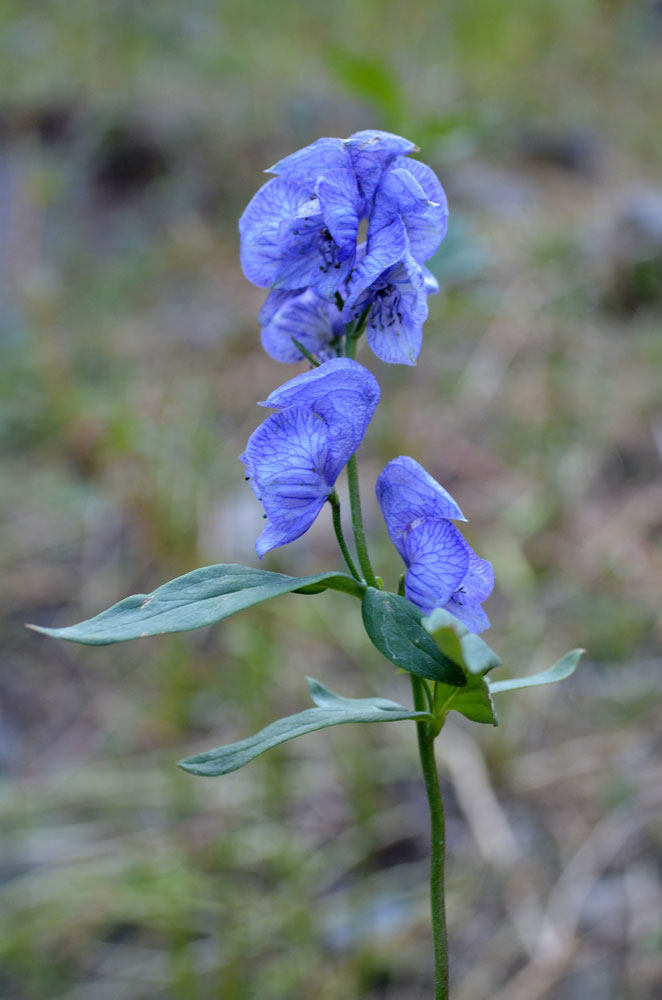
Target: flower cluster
pixel 300 238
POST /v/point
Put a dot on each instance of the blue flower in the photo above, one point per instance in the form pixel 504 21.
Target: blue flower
pixel 294 458
pixel 316 323
pixel 299 234
pixel 443 571
pixel 393 287
pixel 294 238
pixel 300 229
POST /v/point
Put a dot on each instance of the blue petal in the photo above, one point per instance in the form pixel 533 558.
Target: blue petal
pixel 430 282
pixel 275 301
pixel 306 165
pixel 438 560
pixel 340 203
pixel 399 187
pixel 385 248
pixel 287 459
pixel 343 393
pixel 407 493
pixel 276 200
pixel 472 615
pixel 479 581
pixel 371 151
pixel 264 227
pixel 315 322
pixel 394 328
pixel 312 388
pixel 411 190
pixel 475 588
pixel 427 230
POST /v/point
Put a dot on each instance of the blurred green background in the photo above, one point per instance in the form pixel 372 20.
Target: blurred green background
pixel 131 137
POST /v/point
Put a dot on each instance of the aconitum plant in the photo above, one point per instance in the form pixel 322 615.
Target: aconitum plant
pixel 300 240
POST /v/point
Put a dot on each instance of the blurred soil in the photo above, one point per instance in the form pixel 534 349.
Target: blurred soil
pixel 129 369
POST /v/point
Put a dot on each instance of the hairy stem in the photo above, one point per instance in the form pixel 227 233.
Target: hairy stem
pixel 337 527
pixel 425 733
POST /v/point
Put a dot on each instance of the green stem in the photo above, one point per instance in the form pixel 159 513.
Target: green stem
pixel 425 733
pixel 337 526
pixel 355 495
pixel 357 523
pixel 306 353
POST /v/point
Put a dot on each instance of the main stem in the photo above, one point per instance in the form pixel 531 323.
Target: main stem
pixel 437 843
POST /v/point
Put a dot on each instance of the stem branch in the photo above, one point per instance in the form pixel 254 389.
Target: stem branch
pixel 337 526
pixel 354 493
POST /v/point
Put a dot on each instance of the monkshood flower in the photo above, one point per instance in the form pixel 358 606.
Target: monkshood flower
pixel 294 458
pixel 295 237
pixel 443 571
pixel 393 288
pixel 305 317
pixel 300 230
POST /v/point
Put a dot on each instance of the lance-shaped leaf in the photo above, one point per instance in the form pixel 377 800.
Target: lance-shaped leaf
pixel 562 669
pixel 475 659
pixel 394 626
pixel 331 710
pixel 203 597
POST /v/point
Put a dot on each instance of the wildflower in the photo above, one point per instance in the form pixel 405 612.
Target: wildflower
pixel 294 457
pixel 293 238
pixel 443 571
pixel 299 234
pixel 305 317
pixel 393 288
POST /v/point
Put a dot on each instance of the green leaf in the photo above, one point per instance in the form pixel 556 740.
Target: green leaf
pixel 203 597
pixel 331 710
pixel 394 626
pixel 475 659
pixel 564 668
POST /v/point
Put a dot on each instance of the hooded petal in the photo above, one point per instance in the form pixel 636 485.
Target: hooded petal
pixel 315 322
pixel 407 493
pixel 306 165
pixel 340 204
pixel 438 559
pixel 371 151
pixel 342 392
pixel 427 229
pixel 411 190
pixel 287 460
pixel 312 388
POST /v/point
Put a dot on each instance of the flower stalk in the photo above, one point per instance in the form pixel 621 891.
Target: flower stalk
pixel 340 535
pixel 426 736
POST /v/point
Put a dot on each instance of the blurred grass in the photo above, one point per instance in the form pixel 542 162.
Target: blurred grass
pixel 132 136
